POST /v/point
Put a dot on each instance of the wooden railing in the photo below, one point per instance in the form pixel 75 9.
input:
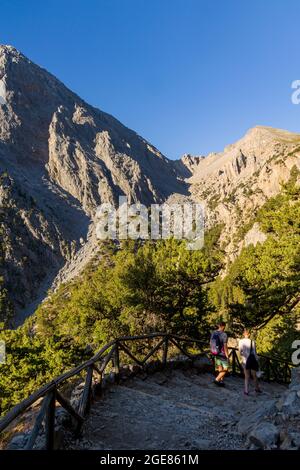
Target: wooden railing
pixel 274 369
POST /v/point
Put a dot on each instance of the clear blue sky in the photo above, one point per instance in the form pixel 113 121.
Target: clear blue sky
pixel 188 75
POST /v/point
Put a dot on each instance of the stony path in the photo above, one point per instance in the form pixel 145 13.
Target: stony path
pixel 171 410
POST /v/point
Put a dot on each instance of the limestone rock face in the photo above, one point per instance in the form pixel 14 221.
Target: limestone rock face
pixel 188 164
pixel 254 236
pixel 86 152
pixel 233 184
pixel 62 158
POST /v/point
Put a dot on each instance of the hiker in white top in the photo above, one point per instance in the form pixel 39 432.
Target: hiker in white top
pixel 247 349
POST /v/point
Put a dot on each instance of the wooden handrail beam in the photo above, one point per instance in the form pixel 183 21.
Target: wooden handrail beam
pixel 174 342
pixel 23 405
pixel 129 353
pixel 68 407
pixel 50 420
pixel 106 360
pixel 153 350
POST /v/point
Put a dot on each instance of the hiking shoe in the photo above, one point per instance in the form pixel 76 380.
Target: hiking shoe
pixel 220 384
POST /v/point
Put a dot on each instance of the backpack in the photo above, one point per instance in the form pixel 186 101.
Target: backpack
pixel 216 344
pixel 251 363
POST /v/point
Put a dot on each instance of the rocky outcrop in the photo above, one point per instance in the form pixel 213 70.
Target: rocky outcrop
pixel 188 164
pixel 254 236
pixel 250 421
pixel 276 425
pixel 235 183
pixel 265 436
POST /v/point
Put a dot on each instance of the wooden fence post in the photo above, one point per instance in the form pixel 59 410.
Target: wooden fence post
pixel 233 362
pixel 268 370
pixel 50 421
pixel 85 401
pixel 38 422
pixel 286 373
pixel 165 351
pixel 117 361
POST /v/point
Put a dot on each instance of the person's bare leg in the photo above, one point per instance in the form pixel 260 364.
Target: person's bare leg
pixel 221 375
pixel 256 384
pixel 247 377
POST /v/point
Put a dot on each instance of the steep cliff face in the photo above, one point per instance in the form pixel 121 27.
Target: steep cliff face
pixel 65 158
pixel 235 183
pixel 86 152
pixel 255 153
pixel 188 164
pixel 35 241
pixel 96 159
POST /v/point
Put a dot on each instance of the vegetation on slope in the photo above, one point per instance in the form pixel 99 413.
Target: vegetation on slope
pixel 162 286
pixel 155 286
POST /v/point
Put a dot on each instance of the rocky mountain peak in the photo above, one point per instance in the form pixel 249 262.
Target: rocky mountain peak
pixel 247 155
pixel 234 183
pixel 88 153
pixel 9 52
pixel 188 164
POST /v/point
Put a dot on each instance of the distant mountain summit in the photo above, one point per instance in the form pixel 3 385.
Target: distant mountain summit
pixel 235 183
pixel 85 151
pixel 60 158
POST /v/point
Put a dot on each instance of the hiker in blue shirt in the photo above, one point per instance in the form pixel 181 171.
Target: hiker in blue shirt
pixel 219 349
